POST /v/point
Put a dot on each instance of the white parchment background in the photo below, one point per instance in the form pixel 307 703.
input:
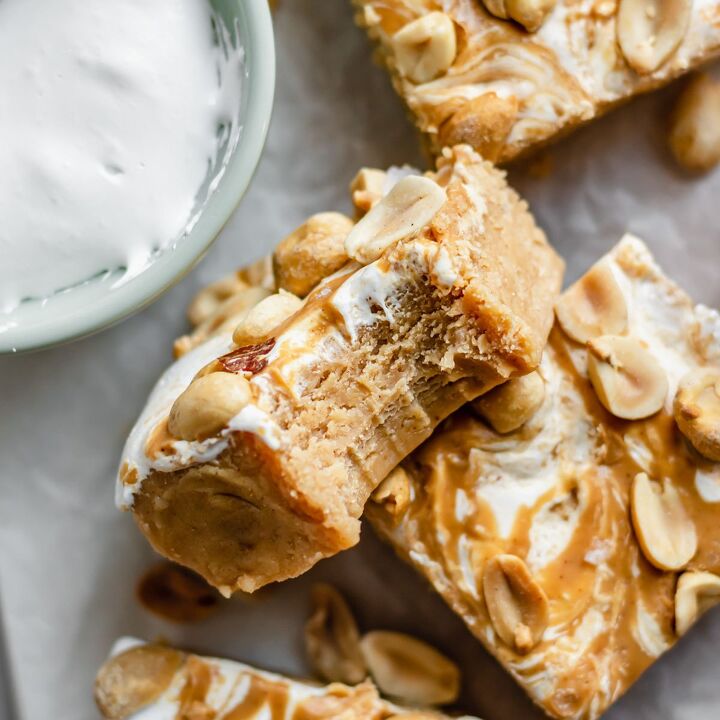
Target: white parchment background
pixel 69 561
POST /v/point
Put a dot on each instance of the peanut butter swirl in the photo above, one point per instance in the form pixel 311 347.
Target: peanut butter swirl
pixel 542 539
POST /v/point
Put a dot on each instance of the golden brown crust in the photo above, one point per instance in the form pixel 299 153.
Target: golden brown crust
pixel 353 382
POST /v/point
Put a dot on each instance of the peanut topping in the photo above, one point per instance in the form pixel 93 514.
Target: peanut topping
pixel 663 528
pixel 208 404
pixel 483 122
pixel 209 299
pixel 512 404
pixel 650 31
pixel 259 321
pixel 697 411
pixel 593 306
pixel 410 670
pixel 403 212
pixel 134 679
pixel 393 493
pixel 517 605
pixel 628 380
pixel 312 252
pixel 224 317
pixel 529 13
pixel 696 592
pixel 694 136
pixel 426 47
pixel 332 639
pixel 366 189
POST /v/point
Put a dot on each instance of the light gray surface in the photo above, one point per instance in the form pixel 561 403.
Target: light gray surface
pixel 68 560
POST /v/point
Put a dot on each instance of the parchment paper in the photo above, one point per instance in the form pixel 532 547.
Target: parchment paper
pixel 69 560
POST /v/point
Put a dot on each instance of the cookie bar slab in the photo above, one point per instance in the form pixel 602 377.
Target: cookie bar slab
pixel 468 76
pixel 251 463
pixel 578 546
pixel 155 682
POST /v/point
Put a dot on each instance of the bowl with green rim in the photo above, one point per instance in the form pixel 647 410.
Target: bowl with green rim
pixel 109 297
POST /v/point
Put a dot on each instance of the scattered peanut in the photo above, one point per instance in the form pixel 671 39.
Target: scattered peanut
pixel 410 670
pixel 404 211
pixel 663 528
pixel 332 639
pixel 425 47
pixel 208 404
pixel 628 380
pixel 177 594
pixel 312 252
pixel 511 405
pixel 593 306
pixel 694 136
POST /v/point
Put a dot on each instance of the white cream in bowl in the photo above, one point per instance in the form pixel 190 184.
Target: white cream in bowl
pixel 113 115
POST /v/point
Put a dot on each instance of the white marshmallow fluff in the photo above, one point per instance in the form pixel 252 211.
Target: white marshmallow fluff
pixel 112 116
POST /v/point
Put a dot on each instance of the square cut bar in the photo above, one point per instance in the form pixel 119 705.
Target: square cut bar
pixel 156 682
pixel 342 390
pixel 578 546
pixel 468 76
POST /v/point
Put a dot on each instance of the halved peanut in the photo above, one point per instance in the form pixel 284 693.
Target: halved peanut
pixel 664 530
pixel 694 136
pixel 393 493
pixel 224 317
pixel 483 122
pixel 404 211
pixel 209 299
pixel 512 404
pixel 312 252
pixel 650 31
pixel 134 679
pixel 208 404
pixel 696 592
pixel 367 188
pixel 332 639
pixel 627 379
pixel 697 411
pixel 425 47
pixel 517 605
pixel 529 13
pixel 260 321
pixel 593 306
pixel 410 670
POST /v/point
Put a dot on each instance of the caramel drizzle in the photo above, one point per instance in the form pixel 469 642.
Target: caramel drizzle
pixel 273 697
pixel 619 587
